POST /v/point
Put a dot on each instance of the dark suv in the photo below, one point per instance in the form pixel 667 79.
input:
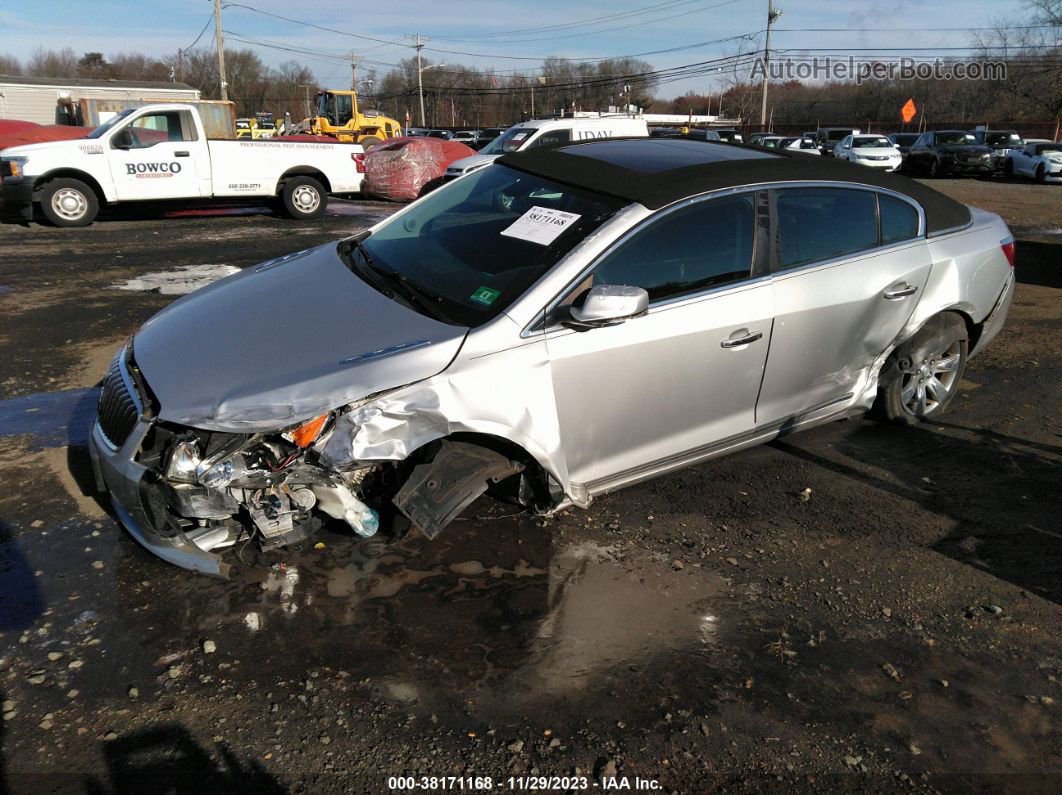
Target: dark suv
pixel 826 138
pixel 942 152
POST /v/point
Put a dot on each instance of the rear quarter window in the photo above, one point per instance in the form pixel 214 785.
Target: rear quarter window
pixel 899 220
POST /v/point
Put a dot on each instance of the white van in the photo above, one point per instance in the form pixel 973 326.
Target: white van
pixel 549 132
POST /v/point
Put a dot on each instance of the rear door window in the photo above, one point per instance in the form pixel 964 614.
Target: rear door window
pixel 696 247
pixel 816 224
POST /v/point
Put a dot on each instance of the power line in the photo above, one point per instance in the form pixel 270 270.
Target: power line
pixel 605 30
pixel 209 22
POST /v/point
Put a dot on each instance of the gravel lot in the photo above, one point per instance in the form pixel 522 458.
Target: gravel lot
pixel 856 606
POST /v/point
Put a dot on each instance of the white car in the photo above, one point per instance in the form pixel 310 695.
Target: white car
pixel 162 153
pixel 1039 160
pixel 805 146
pixel 875 151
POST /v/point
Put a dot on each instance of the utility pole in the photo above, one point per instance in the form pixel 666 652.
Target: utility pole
pixel 772 15
pixel 180 65
pixel 353 72
pixel 221 51
pixel 420 82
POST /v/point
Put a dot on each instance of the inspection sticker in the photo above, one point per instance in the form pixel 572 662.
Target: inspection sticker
pixel 484 295
pixel 541 225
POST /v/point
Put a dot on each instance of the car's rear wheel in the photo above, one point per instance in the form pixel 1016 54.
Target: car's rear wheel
pixel 304 198
pixel 69 202
pixel 922 376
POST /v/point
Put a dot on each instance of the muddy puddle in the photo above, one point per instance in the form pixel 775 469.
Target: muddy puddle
pixel 491 611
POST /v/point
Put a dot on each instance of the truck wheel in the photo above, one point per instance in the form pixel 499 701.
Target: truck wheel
pixel 69 202
pixel 304 198
pixel 920 379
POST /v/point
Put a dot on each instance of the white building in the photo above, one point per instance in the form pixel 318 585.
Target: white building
pixel 36 99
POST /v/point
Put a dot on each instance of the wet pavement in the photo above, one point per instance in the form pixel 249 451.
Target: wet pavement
pixel 709 630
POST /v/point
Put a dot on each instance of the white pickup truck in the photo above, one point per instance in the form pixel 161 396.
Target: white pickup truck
pixel 161 152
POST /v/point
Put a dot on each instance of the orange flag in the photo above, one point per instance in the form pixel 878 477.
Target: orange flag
pixel 908 111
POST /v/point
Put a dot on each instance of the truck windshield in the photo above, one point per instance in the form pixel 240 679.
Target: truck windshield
pixel 110 123
pixel 472 247
pixel 509 141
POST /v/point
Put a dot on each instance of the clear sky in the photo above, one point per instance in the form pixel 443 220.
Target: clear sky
pixel 532 30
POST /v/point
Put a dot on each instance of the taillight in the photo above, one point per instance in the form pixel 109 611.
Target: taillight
pixel 1008 250
pixel 359 161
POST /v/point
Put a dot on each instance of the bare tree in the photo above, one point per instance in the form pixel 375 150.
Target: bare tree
pixel 10 65
pixel 52 63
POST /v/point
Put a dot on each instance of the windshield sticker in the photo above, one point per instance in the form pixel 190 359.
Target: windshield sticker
pixel 485 296
pixel 541 225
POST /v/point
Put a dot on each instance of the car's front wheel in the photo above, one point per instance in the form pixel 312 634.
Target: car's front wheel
pixel 934 168
pixel 69 202
pixel 922 376
pixel 1041 174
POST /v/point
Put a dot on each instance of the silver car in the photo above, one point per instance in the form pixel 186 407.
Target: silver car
pixel 564 323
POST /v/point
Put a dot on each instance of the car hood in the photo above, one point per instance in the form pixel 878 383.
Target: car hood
pixel 473 161
pixel 876 150
pixel 282 342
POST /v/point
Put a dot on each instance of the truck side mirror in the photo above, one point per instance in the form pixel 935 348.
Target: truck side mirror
pixel 123 139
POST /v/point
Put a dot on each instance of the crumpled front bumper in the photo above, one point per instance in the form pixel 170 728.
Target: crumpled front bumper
pixel 118 473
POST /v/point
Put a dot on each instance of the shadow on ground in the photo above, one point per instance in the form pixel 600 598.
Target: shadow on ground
pixel 166 759
pixel 1008 536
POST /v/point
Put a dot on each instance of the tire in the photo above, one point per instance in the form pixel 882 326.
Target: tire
pixel 1041 174
pixel 369 141
pixel 304 198
pixel 922 376
pixel 69 202
pixel 1008 168
pixel 934 168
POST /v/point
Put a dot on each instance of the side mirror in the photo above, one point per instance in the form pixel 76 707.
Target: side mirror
pixel 609 304
pixel 123 139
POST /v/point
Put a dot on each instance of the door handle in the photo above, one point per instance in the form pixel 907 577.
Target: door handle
pixel 182 153
pixel 900 291
pixel 745 339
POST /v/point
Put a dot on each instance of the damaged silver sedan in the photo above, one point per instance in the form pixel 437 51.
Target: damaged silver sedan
pixel 561 324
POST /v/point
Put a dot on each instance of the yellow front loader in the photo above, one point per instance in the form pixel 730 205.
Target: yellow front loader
pixel 338 116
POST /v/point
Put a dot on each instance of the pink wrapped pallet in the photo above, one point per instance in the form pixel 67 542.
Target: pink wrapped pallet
pixel 402 168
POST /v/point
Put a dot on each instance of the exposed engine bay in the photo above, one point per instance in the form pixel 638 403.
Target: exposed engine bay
pixel 212 489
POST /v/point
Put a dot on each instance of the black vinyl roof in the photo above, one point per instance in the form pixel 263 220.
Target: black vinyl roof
pixel 658 171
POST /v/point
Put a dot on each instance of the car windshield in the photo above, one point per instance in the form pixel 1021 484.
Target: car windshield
pixel 955 138
pixel 872 142
pixel 110 123
pixel 509 141
pixel 475 245
pixel 1003 139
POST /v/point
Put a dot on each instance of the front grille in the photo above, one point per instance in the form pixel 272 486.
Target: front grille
pixel 118 409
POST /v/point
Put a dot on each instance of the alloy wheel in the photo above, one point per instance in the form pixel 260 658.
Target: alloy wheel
pixel 927 384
